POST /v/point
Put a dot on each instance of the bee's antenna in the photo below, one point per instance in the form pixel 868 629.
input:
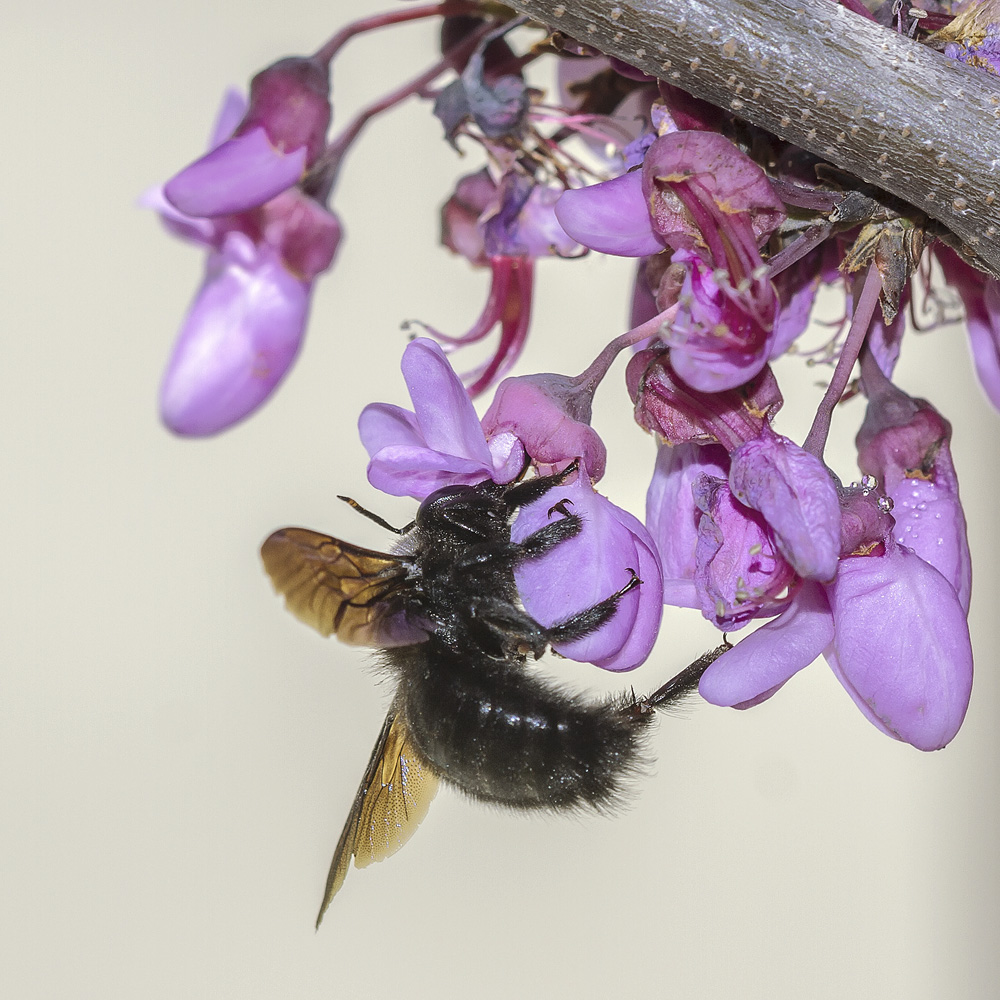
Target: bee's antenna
pixel 381 521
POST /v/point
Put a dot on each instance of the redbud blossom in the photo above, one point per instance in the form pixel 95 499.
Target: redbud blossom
pixel 590 567
pixel 440 442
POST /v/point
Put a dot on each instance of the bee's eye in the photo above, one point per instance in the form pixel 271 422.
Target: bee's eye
pixel 443 498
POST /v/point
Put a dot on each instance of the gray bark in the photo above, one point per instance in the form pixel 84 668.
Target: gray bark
pixel 894 112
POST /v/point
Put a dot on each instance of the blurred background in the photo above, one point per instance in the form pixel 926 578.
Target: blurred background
pixel 178 754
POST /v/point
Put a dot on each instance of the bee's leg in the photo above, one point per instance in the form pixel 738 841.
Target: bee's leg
pixel 522 493
pixel 507 555
pixel 590 619
pixel 552 534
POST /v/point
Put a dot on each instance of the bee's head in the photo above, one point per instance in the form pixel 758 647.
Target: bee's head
pixel 470 512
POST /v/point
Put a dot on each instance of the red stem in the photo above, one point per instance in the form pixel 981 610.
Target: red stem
pixel 337 41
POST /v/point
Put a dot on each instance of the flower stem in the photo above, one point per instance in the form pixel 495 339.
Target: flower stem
pixel 327 166
pixel 591 377
pixel 815 441
pixel 337 41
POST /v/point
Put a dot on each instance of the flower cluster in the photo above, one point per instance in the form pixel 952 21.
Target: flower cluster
pixel 733 233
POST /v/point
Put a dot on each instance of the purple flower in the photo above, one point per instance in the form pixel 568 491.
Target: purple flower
pixel 282 134
pixel 981 297
pixel 441 441
pixel 891 627
pixel 237 342
pixel 611 217
pixel 590 567
pixel 248 319
pixel 667 406
pixel 906 444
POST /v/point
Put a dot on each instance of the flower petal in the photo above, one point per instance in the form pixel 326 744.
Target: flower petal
pixel 610 217
pixel 588 568
pixel 241 174
pixel 759 664
pixel 794 491
pixel 673 518
pixel 237 343
pixel 901 646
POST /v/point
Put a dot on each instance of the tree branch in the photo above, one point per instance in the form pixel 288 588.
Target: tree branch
pixel 896 113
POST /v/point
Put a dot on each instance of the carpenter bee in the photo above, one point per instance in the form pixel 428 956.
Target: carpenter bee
pixel 444 612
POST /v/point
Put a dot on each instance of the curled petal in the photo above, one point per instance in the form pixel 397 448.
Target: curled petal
pixel 901 646
pixel 795 492
pixel 610 217
pixel 735 183
pixel 674 411
pixel 760 663
pixel 241 174
pixel 237 343
pixel 588 568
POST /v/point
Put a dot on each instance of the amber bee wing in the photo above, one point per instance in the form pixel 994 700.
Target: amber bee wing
pixel 394 796
pixel 332 585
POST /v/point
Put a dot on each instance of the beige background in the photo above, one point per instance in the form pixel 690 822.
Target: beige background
pixel 177 754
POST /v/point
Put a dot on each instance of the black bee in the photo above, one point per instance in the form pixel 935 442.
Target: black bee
pixel 444 611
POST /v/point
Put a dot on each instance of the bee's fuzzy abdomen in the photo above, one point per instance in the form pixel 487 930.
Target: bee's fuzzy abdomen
pixel 501 735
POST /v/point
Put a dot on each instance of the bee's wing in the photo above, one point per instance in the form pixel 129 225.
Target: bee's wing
pixel 394 796
pixel 335 586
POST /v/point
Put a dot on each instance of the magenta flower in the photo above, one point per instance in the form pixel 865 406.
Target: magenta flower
pixel 282 134
pixel 550 416
pixel 504 226
pixel 589 567
pixel 901 646
pixel 891 627
pixel 906 444
pixel 441 441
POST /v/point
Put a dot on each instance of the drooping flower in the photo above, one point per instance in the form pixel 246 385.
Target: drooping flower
pixel 505 226
pixel 246 324
pixel 550 416
pixel 890 625
pixel 906 444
